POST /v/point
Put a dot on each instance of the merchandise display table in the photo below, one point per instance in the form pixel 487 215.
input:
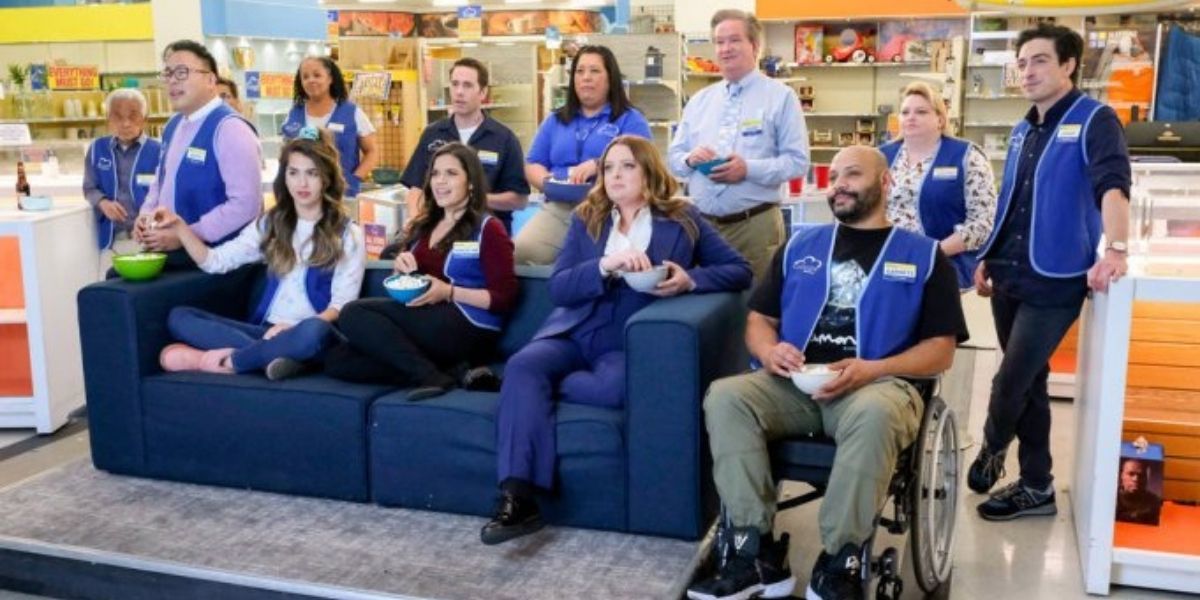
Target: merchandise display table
pixel 45 258
pixel 1100 393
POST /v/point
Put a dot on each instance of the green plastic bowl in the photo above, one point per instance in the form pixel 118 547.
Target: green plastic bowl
pixel 139 267
pixel 386 176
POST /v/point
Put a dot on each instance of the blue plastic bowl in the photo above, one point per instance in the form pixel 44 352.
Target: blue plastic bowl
pixel 706 167
pixel 566 192
pixel 405 295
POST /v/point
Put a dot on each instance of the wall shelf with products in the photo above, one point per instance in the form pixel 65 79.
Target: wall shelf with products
pixel 513 73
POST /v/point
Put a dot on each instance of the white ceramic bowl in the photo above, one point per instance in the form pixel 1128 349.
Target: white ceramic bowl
pixel 811 378
pixel 644 281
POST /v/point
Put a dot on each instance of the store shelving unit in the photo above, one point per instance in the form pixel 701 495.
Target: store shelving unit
pixel 659 98
pixel 512 67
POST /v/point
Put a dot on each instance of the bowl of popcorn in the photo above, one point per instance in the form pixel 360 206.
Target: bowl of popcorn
pixel 645 281
pixel 140 266
pixel 406 288
pixel 811 378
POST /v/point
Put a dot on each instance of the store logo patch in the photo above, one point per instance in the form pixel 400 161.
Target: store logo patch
pixel 807 265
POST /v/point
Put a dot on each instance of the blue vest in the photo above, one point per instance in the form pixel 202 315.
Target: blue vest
pixel 889 309
pixel 318 286
pixel 104 167
pixel 464 269
pixel 1065 224
pixel 942 203
pixel 346 140
pixel 199 187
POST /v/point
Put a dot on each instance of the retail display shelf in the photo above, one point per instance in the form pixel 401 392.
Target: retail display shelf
pixel 446 107
pixel 986 65
pixel 994 97
pixel 875 65
pixel 825 148
pixel 12 316
pixel 995 35
pixel 67 120
pixel 988 124
pixel 834 114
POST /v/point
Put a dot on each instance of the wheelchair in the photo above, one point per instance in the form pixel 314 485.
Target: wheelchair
pixel 923 493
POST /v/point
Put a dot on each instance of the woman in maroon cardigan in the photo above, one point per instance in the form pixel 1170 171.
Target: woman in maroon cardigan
pixel 429 343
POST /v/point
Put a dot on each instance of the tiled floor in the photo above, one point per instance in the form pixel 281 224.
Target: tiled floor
pixel 1031 558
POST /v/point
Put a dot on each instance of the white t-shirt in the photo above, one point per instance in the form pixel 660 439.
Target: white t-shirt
pixel 361 121
pixel 465 134
pixel 291 305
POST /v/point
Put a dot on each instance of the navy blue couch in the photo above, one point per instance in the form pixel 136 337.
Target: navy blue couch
pixel 644 469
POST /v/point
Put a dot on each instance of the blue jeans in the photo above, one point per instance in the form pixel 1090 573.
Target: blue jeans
pixel 526 444
pixel 204 330
pixel 1020 403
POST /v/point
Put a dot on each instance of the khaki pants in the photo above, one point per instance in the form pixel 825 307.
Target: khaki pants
pixel 871 426
pixel 756 238
pixel 122 244
pixel 541 239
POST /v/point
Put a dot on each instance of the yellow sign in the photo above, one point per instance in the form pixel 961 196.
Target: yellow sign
pixel 276 85
pixel 470 22
pixel 373 85
pixel 62 77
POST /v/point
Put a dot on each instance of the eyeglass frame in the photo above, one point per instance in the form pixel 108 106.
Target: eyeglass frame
pixel 168 73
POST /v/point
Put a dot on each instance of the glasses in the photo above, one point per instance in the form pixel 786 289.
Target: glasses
pixel 179 73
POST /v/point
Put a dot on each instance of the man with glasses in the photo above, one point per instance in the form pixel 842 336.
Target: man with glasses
pixel 209 172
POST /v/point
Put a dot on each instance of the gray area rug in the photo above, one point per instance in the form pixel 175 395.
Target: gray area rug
pixel 343 545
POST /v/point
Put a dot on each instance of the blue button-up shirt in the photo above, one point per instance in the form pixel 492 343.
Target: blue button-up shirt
pixel 1108 169
pixel 771 137
pixel 126 156
pixel 559 146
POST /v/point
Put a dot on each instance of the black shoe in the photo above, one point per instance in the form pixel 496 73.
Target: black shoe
pixel 481 379
pixel 987 469
pixel 837 577
pixel 434 387
pixel 750 571
pixel 284 368
pixel 515 516
pixel 1015 500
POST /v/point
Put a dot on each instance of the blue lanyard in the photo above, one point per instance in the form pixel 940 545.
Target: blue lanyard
pixel 581 137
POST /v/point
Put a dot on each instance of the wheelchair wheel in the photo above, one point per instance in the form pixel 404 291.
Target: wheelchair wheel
pixel 935 496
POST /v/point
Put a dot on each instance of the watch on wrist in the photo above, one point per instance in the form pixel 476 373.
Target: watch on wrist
pixel 1121 247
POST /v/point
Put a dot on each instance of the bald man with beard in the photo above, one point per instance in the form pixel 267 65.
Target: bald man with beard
pixel 874 303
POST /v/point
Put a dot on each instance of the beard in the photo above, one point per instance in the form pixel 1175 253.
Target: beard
pixel 864 203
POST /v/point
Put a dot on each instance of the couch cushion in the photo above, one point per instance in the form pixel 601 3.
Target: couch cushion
pixel 300 436
pixel 440 454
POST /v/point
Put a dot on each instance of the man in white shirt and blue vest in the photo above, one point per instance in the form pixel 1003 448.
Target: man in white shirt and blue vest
pixel 755 125
pixel 871 301
pixel 1066 181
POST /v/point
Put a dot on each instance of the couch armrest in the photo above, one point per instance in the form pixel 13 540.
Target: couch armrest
pixel 674 348
pixel 122 328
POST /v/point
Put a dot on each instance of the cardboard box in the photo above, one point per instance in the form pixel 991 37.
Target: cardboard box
pixel 1140 483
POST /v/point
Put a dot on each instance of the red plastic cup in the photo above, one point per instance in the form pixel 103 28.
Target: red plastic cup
pixel 795 186
pixel 822 172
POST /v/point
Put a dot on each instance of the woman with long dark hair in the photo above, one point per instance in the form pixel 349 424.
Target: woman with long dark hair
pixel 630 222
pixel 430 343
pixel 320 99
pixel 568 144
pixel 315 258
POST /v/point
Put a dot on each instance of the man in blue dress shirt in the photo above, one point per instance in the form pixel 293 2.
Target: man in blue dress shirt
pixel 756 126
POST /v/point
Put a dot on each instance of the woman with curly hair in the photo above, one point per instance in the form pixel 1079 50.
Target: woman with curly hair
pixel 630 222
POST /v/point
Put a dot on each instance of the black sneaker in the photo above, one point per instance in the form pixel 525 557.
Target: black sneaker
pixel 987 469
pixel 750 571
pixel 1015 500
pixel 515 516
pixel 284 368
pixel 837 577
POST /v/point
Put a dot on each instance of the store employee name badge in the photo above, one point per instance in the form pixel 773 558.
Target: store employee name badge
pixel 337 127
pixel 1069 133
pixel 945 173
pixel 197 155
pixel 897 271
pixel 466 249
pixel 753 125
pixel 488 157
pixel 145 179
